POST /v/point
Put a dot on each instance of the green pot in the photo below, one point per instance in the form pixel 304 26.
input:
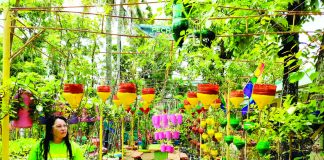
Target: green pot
pixel 249 127
pixel 239 143
pixel 229 139
pixel 234 122
pixel 263 147
pixel 223 123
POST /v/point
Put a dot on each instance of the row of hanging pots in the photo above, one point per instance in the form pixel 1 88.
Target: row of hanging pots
pixel 262 146
pixel 162 120
pixel 166 135
pixel 167 148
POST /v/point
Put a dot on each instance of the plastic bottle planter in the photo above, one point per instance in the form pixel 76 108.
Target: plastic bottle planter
pixel 167 148
pixel 210 132
pixel 237 97
pixel 263 94
pixel 207 93
pixel 263 147
pixel 239 143
pixel 234 123
pixel 168 135
pixel 116 101
pixel 103 92
pixel 73 93
pixel 223 123
pixel 218 136
pixel 192 98
pixel 249 127
pixel 148 94
pixel 216 104
pixel 162 121
pixel 228 139
pixel 24 120
pixel 127 94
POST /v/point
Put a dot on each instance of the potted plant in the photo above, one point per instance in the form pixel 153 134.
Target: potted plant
pixel 24 106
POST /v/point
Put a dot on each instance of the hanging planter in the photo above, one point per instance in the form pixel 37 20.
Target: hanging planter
pixel 263 147
pixel 234 123
pixel 192 98
pixel 148 94
pixel 103 92
pixel 126 94
pixel 236 98
pixel 239 143
pixel 25 108
pixel 218 136
pixel 73 93
pixel 207 93
pixel 24 119
pixel 216 104
pixel 223 123
pixel 249 127
pixel 263 94
pixel 229 139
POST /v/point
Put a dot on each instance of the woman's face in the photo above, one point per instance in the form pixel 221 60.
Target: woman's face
pixel 59 129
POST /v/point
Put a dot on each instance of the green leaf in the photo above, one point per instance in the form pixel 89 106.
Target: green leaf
pixel 290 62
pixel 298 54
pixel 314 75
pixel 295 76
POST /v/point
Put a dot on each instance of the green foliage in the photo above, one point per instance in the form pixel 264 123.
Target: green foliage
pixel 20 148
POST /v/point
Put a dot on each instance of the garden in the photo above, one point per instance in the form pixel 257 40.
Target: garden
pixel 157 80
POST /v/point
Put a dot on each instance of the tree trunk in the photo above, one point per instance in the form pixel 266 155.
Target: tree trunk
pixel 290 43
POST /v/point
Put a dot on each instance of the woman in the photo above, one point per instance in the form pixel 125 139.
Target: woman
pixel 56 144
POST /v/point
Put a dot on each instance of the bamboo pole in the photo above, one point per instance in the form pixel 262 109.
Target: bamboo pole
pixel 6 84
pixel 81 30
pixel 26 44
pixel 100 133
pixel 122 135
pixel 85 6
pixel 139 36
pixel 228 117
pixel 128 4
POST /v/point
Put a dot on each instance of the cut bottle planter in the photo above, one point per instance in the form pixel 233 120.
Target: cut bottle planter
pixel 24 120
pixel 263 147
pixel 228 139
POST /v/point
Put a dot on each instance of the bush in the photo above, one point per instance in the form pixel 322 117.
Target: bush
pixel 20 148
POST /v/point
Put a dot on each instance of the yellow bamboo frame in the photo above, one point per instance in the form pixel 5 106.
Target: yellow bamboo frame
pixel 6 84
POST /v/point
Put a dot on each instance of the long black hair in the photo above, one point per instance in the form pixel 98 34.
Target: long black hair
pixel 49 136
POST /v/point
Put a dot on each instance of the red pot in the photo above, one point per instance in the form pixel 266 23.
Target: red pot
pixel 73 88
pixel 208 88
pixel 264 89
pixel 237 93
pixel 24 120
pixel 148 91
pixel 104 88
pixel 192 94
pixel 127 88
